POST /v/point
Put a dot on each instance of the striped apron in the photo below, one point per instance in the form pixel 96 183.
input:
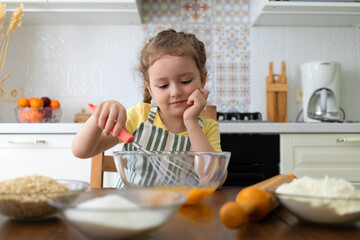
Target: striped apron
pixel 153 139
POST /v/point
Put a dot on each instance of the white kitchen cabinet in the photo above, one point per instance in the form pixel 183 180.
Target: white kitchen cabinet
pixel 284 13
pixel 24 1
pixel 92 12
pixel 44 154
pixel 318 155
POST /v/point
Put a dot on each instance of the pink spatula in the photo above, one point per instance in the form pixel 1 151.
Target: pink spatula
pixel 124 135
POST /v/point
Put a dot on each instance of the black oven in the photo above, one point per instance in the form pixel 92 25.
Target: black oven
pixel 254 157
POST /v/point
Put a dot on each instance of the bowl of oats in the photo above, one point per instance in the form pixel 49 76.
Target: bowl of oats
pixel 26 198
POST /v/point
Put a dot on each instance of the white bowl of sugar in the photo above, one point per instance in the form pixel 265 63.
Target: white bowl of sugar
pixel 118 214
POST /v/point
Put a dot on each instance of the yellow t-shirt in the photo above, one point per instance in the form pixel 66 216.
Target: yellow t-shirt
pixel 140 113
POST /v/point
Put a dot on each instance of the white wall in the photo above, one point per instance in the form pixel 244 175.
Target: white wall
pixel 75 65
pixel 297 45
pixel 81 64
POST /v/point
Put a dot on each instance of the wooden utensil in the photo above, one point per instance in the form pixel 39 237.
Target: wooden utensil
pixel 253 203
pixel 276 94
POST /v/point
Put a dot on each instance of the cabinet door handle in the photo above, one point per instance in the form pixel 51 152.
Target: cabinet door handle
pixel 350 140
pixel 35 141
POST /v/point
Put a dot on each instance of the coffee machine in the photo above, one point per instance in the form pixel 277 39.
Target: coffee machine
pixel 321 91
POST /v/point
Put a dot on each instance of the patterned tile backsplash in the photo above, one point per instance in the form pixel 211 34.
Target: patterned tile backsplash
pixel 77 64
pixel 223 26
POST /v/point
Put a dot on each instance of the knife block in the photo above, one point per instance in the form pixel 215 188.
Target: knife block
pixel 276 95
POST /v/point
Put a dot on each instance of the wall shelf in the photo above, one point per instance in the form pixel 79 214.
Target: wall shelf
pixel 280 13
pixel 79 12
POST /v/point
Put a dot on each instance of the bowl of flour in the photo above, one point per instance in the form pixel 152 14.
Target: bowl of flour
pixel 118 214
pixel 326 201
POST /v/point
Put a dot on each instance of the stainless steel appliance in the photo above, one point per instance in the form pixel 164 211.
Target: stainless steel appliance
pixel 321 92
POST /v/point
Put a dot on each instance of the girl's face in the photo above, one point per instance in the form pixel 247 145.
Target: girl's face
pixel 171 81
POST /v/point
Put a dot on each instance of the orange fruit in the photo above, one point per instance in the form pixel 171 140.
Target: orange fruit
pixel 30 115
pixel 36 115
pixel 36 103
pixel 54 103
pixel 232 215
pixel 23 102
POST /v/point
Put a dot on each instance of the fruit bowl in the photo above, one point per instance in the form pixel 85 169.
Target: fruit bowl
pixel 194 174
pixel 118 214
pixel 38 115
pixel 26 198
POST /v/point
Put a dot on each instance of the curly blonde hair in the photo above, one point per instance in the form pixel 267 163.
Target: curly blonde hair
pixel 170 42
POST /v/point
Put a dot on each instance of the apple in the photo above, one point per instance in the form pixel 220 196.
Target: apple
pixel 46 101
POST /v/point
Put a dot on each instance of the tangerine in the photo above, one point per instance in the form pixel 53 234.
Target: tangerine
pixel 36 103
pixel 23 102
pixel 30 115
pixel 54 103
pixel 232 215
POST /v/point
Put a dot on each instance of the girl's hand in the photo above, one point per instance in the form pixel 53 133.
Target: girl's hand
pixel 110 114
pixel 197 102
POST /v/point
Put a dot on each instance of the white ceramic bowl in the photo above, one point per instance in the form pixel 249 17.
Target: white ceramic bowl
pixel 322 210
pixel 195 174
pixel 118 214
pixel 34 206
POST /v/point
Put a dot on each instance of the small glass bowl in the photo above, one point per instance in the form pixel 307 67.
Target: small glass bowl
pixel 194 174
pixel 38 115
pixel 34 206
pixel 118 214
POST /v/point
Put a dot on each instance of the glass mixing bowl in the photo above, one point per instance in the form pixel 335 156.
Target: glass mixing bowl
pixel 195 174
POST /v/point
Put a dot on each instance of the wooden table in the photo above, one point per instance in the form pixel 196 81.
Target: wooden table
pixel 198 222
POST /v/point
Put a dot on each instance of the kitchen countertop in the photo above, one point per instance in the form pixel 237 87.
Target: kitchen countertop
pixel 235 127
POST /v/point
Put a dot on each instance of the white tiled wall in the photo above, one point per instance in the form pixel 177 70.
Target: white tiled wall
pixel 75 65
pixel 81 64
pixel 297 45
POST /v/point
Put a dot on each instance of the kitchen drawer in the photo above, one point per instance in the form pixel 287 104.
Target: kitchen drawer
pixel 318 155
pixel 44 154
pixel 36 141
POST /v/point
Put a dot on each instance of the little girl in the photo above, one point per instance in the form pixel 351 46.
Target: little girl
pixel 173 67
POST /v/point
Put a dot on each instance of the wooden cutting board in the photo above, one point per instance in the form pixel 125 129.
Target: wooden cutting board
pixel 276 95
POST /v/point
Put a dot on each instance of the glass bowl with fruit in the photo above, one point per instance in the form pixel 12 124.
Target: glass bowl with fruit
pixel 38 110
